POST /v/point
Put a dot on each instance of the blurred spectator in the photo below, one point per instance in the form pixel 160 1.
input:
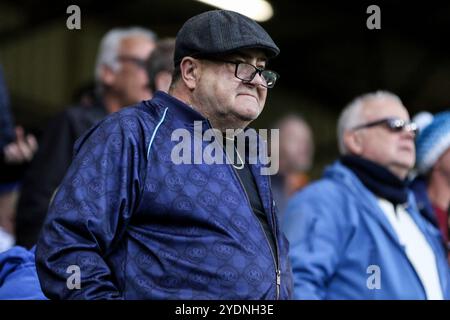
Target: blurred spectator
pixel 20 150
pixel 86 95
pixel 18 276
pixel 6 122
pixel 16 150
pixel 432 185
pixel 160 65
pixel 6 240
pixel 357 232
pixel 296 151
pixel 121 80
pixel 8 201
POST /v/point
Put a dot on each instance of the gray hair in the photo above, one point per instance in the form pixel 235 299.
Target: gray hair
pixel 110 44
pixel 352 115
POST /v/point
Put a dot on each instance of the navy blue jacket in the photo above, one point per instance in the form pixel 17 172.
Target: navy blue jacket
pixel 141 227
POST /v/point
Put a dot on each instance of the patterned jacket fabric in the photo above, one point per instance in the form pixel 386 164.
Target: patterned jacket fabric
pixel 139 226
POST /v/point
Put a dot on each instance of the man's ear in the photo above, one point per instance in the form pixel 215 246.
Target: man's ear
pixel 354 142
pixel 190 72
pixel 107 75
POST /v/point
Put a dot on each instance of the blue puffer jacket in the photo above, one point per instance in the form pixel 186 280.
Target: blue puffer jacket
pixel 141 227
pixel 341 242
pixel 18 277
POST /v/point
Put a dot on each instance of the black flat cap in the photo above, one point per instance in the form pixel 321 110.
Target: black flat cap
pixel 220 32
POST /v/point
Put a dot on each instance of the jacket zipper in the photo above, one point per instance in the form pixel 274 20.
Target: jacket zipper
pixel 274 219
pixel 277 269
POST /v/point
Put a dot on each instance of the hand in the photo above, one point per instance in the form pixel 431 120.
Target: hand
pixel 22 149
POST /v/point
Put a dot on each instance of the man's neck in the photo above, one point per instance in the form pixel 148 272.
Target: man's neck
pixel 112 104
pixel 225 125
pixel 216 122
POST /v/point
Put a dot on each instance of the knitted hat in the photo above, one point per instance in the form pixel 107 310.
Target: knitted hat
pixel 433 139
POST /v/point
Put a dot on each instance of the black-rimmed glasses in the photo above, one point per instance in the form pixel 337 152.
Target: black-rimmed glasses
pixel 246 72
pixel 393 124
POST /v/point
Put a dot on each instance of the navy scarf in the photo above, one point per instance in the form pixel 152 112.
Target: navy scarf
pixel 378 179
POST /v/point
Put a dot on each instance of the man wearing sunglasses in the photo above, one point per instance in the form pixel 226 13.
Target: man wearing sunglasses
pixel 140 226
pixel 357 233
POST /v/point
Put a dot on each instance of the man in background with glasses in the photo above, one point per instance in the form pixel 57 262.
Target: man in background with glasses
pixel 357 233
pixel 139 226
pixel 121 80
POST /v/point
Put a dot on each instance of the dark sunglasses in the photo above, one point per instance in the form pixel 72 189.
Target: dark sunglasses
pixel 392 124
pixel 141 63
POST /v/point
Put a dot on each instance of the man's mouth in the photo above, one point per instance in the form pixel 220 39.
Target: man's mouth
pixel 407 148
pixel 248 94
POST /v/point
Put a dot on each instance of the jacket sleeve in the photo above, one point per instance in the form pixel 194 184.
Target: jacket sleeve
pixel 89 214
pixel 45 173
pixel 315 226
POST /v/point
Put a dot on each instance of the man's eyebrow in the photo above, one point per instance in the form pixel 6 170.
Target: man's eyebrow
pixel 248 56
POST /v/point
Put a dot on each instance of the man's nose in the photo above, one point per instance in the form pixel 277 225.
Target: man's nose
pixel 408 134
pixel 257 80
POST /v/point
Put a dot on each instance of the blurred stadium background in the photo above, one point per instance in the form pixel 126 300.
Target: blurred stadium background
pixel 328 56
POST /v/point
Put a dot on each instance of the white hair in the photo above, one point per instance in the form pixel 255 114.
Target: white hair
pixel 110 45
pixel 352 115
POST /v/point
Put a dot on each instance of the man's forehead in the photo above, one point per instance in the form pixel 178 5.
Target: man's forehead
pixel 380 108
pixel 136 43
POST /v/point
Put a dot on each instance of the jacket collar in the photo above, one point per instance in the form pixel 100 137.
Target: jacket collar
pixel 183 112
pixel 338 172
pixel 344 175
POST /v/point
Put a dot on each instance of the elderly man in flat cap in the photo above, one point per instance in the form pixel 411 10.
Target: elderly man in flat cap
pixel 129 222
